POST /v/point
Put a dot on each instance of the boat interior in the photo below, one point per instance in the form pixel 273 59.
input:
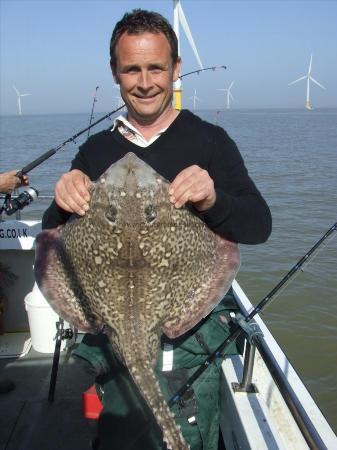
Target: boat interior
pixel 264 404
pixel 28 420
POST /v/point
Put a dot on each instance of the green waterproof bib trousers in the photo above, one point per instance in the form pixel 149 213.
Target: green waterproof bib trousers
pixel 127 423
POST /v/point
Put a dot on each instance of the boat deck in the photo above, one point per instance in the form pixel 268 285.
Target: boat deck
pixel 28 421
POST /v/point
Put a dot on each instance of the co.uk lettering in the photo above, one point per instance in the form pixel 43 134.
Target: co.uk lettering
pixel 13 233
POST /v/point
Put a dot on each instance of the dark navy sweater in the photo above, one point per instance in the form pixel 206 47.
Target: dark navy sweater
pixel 240 212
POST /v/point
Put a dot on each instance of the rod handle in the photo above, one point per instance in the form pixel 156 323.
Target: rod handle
pixel 36 162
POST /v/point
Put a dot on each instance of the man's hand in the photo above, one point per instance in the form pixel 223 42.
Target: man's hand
pixel 9 181
pixel 72 192
pixel 194 185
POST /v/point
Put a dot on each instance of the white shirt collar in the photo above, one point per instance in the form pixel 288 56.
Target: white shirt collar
pixel 131 133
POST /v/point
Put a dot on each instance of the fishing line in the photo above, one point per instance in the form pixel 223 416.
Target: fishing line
pixel 52 151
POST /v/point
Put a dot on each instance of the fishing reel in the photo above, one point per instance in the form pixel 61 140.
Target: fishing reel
pixel 12 205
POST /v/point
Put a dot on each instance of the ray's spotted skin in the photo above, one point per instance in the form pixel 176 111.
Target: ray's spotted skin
pixel 138 266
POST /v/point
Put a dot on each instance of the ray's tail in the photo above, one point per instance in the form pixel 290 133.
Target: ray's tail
pixel 144 377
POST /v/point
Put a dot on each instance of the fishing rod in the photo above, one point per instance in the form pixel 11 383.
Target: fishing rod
pixel 52 151
pixel 238 329
pixel 202 70
pixel 92 108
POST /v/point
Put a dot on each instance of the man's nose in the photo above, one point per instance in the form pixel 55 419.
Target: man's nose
pixel 144 80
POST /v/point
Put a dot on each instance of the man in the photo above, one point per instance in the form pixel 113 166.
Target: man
pixel 207 172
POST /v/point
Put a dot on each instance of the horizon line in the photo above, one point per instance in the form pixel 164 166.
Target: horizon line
pixel 301 108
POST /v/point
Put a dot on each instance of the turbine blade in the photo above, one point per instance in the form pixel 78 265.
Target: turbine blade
pixel 230 95
pixel 315 81
pixel 18 93
pixel 231 85
pixel 299 79
pixel 188 33
pixel 310 64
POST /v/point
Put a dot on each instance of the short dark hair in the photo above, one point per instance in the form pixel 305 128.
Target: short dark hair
pixel 139 21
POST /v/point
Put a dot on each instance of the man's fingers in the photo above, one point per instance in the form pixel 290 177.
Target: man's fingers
pixel 185 183
pixel 71 206
pixel 25 180
pixel 182 176
pixel 85 191
pixel 193 197
pixel 194 185
pixel 64 205
pixel 184 193
pixel 189 185
pixel 72 192
pixel 69 200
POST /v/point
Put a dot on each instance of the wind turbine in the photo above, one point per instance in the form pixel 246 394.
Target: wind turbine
pixel 229 94
pixel 308 77
pixel 19 100
pixel 180 19
pixel 195 99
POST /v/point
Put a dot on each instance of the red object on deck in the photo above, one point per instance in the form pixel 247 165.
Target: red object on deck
pixel 91 404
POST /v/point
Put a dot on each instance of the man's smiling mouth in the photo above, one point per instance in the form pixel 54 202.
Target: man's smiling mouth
pixel 146 97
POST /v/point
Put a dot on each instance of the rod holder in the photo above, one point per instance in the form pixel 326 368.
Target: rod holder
pixel 251 330
pixel 246 384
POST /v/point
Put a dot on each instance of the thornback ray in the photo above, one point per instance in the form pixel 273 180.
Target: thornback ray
pixel 135 267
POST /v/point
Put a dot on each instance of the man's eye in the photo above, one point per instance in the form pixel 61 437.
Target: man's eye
pixel 131 70
pixel 156 71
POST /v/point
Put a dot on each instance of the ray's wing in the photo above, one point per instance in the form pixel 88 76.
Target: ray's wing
pixel 215 278
pixel 58 282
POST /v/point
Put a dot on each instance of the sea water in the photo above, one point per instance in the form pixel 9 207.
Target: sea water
pixel 292 157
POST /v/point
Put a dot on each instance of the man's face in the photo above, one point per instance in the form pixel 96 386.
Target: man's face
pixel 145 72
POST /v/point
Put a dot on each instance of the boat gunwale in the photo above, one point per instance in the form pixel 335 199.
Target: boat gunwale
pixel 305 411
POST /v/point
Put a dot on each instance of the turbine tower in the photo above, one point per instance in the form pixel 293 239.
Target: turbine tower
pixel 179 18
pixel 195 99
pixel 19 100
pixel 229 94
pixel 308 77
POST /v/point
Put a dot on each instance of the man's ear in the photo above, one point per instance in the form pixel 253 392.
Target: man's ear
pixel 114 73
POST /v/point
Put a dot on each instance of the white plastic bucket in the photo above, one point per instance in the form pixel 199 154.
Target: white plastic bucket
pixel 42 322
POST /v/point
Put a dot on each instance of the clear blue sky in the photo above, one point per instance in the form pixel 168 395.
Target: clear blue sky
pixel 58 51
